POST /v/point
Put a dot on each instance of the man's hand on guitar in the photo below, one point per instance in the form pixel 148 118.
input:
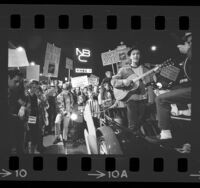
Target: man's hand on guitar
pixel 127 82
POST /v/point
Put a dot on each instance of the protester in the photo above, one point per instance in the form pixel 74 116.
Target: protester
pixel 16 112
pixel 106 97
pixel 108 78
pixel 64 106
pixel 43 106
pixel 34 136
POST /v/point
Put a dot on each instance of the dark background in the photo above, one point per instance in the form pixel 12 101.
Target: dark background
pixel 35 45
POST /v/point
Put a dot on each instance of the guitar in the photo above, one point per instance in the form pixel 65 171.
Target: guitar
pixel 124 93
pixel 187 66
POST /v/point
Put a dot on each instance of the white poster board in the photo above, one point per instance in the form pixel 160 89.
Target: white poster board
pixel 52 60
pixel 33 72
pixel 110 57
pixel 93 80
pixel 17 58
pixel 79 81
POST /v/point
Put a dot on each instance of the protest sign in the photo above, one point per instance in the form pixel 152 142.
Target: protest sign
pixel 79 81
pixel 110 57
pixel 33 72
pixel 93 80
pixel 17 58
pixel 52 60
pixel 69 63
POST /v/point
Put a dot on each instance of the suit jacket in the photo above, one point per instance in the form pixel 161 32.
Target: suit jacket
pixel 143 92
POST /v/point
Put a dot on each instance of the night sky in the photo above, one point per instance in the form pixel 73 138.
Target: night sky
pixel 98 42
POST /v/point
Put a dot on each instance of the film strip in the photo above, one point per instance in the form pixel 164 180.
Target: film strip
pixel 60 27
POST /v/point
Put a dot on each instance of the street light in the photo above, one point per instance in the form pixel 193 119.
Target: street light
pixel 20 49
pixel 153 48
pixel 32 63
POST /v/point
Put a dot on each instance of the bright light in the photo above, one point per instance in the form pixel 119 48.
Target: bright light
pixel 32 63
pixel 83 53
pixel 153 48
pixel 159 85
pixel 74 117
pixel 20 49
pixel 40 74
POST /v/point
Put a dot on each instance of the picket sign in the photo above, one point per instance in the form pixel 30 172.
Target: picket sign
pixel 79 81
pixel 93 80
pixel 17 58
pixel 52 60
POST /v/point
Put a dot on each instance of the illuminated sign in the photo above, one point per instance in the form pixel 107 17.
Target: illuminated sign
pixel 83 54
pixel 81 70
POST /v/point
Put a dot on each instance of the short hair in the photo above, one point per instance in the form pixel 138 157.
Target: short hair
pixel 133 48
pixel 14 72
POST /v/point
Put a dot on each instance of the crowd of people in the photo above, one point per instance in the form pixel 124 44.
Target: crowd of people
pixel 38 108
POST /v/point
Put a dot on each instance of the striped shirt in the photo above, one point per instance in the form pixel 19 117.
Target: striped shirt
pixel 94 107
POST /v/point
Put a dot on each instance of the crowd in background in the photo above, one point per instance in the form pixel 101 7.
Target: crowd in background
pixel 38 108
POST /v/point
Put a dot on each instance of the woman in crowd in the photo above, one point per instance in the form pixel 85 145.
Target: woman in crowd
pixel 106 98
pixel 33 135
pixel 43 106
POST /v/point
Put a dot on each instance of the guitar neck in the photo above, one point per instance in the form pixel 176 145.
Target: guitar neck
pixel 145 74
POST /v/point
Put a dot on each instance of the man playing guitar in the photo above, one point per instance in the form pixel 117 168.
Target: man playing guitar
pixel 181 95
pixel 136 102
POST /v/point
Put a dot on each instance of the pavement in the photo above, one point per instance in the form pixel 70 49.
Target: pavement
pixel 62 148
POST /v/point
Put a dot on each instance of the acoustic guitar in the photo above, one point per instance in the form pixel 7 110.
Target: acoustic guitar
pixel 124 93
pixel 187 67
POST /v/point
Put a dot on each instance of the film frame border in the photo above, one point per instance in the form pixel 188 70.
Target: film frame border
pixel 186 19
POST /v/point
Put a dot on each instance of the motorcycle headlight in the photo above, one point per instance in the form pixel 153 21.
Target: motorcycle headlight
pixel 159 85
pixel 74 116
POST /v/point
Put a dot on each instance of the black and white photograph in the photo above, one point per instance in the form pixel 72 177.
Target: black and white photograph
pixel 100 93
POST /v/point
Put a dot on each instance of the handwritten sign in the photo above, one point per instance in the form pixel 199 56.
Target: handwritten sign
pixel 52 60
pixel 69 63
pixel 110 57
pixel 79 81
